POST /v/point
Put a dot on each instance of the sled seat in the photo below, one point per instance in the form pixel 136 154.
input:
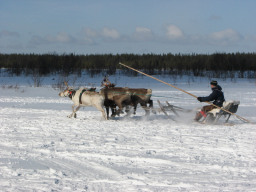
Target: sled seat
pixel 214 115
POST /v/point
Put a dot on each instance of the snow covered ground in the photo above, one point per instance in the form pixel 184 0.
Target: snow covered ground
pixel 43 150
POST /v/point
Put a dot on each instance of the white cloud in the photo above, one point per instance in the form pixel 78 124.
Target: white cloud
pixel 92 35
pixel 87 36
pixel 226 36
pixel 61 37
pixel 88 32
pixel 142 34
pixel 36 40
pixel 110 33
pixel 142 30
pixel 173 32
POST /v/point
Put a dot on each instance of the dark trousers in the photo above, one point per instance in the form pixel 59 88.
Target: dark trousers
pixel 203 112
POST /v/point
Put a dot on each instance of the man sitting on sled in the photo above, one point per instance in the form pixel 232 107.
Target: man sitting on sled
pixel 217 96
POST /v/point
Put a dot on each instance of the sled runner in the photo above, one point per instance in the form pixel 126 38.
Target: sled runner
pixel 171 108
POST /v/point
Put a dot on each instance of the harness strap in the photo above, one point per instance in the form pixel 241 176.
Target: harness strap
pixel 80 96
pixel 71 93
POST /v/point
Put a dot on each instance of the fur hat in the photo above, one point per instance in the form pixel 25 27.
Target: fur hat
pixel 215 83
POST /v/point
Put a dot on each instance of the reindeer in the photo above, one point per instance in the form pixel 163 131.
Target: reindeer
pixel 126 97
pixel 115 96
pixel 141 96
pixel 83 98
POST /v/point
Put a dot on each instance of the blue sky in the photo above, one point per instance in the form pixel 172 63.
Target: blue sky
pixel 127 26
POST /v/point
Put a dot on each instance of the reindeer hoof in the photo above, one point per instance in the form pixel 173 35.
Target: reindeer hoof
pixel 75 115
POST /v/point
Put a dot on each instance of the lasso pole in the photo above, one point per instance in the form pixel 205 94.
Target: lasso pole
pixel 239 117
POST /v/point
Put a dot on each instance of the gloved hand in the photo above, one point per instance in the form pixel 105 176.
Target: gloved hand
pixel 199 99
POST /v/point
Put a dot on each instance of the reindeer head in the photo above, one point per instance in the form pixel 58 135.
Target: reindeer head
pixel 67 92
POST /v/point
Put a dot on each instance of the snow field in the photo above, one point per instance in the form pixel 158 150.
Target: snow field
pixel 43 150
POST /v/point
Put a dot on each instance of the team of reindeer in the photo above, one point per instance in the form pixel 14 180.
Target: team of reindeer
pixel 110 98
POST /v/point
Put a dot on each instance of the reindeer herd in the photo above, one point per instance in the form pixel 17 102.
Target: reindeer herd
pixel 110 97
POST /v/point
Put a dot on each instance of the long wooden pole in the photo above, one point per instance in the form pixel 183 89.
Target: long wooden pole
pixel 239 117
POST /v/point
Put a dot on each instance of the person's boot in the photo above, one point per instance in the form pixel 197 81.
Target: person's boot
pixel 198 116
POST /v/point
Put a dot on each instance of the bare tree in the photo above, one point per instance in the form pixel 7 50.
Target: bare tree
pixel 37 79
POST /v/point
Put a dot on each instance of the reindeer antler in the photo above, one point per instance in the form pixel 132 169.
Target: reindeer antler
pixel 66 83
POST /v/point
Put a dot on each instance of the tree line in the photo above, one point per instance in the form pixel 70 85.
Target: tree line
pixel 217 64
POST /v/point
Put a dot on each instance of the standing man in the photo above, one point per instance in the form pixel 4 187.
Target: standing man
pixel 217 96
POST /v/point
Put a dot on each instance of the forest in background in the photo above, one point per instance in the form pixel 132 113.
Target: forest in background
pixel 226 65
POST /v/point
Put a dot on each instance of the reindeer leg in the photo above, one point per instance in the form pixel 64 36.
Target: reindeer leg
pixel 120 108
pixel 77 110
pixel 107 110
pixel 74 110
pixel 135 100
pixel 107 105
pixel 113 110
pixel 71 115
pixel 144 106
pixel 135 108
pixel 128 110
pixel 100 108
pixel 104 114
pixel 150 102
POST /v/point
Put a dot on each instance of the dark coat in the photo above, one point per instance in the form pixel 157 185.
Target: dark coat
pixel 217 96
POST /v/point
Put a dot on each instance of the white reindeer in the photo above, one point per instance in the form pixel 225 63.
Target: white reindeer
pixel 82 99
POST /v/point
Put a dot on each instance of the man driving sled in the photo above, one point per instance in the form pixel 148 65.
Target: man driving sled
pixel 217 96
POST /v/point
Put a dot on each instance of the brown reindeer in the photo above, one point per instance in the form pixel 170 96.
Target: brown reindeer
pixel 115 96
pixel 126 97
pixel 141 96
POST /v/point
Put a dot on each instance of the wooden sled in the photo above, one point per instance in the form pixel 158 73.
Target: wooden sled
pixel 214 115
